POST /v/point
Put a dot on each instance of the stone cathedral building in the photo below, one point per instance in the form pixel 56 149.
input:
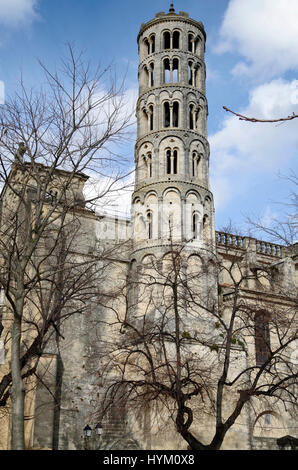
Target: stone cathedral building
pixel 172 204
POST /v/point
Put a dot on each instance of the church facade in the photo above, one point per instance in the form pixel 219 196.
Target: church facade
pixel 172 210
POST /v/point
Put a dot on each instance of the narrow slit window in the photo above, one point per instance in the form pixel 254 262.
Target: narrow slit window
pixel 175 162
pixel 150 225
pixel 147 46
pixel 195 225
pixel 166 114
pixel 175 70
pixel 166 40
pixel 151 116
pixel 168 155
pixel 175 114
pixel 191 109
pixel 145 121
pixel 190 73
pixel 149 166
pixel 152 43
pixel 166 71
pixel 176 40
pixel 152 74
pixel 190 42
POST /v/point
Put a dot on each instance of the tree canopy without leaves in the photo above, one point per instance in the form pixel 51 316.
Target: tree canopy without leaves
pixel 191 349
pixel 51 141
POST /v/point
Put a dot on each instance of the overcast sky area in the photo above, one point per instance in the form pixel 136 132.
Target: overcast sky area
pixel 252 65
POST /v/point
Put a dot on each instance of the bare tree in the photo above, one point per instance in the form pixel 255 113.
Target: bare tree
pixel 51 141
pixel 196 345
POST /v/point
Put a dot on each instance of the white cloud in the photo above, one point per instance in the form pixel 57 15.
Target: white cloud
pixel 109 195
pixel 17 12
pixel 265 33
pixel 242 151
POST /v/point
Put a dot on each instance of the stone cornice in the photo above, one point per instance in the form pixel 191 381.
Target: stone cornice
pixel 171 183
pixel 175 86
pixel 170 131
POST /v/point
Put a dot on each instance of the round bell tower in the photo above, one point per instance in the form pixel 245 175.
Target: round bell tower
pixel 172 201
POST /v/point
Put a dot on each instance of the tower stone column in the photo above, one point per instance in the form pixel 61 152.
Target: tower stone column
pixel 172 200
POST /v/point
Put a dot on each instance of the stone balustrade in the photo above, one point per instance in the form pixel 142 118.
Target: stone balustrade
pixel 228 239
pixel 238 242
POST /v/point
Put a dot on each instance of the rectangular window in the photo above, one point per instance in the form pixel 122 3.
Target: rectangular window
pixel 262 338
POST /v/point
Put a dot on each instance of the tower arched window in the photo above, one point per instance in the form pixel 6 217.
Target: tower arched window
pixel 262 337
pixel 195 164
pixel 175 162
pixel 175 114
pixel 149 225
pixel 166 71
pixel 168 157
pixel 170 70
pixel 191 43
pixel 146 76
pixel 152 43
pixel 190 73
pixel 167 118
pixel 176 40
pixel 147 44
pixel 149 165
pixel 151 118
pixel 166 40
pixel 195 223
pixel 191 116
pixel 175 70
pixel 151 75
pixel 144 121
pixel 172 161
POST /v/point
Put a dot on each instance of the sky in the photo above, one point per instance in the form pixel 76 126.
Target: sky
pixel 252 65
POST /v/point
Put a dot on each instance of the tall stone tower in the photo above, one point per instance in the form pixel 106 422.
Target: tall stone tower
pixel 172 198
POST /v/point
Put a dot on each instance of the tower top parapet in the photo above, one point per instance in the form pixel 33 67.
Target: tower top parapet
pixel 163 17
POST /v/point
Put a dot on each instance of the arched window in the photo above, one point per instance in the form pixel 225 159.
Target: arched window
pixel 166 40
pixel 151 82
pixel 168 156
pixel 146 76
pixel 147 45
pixel 151 116
pixel 176 40
pixel 166 108
pixel 149 225
pixel 262 337
pixel 175 162
pixel 195 219
pixel 190 73
pixel 144 121
pixel 191 116
pixel 191 43
pixel 149 165
pixel 152 41
pixel 195 164
pixel 175 114
pixel 166 71
pixel 172 162
pixel 170 70
pixel 175 70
